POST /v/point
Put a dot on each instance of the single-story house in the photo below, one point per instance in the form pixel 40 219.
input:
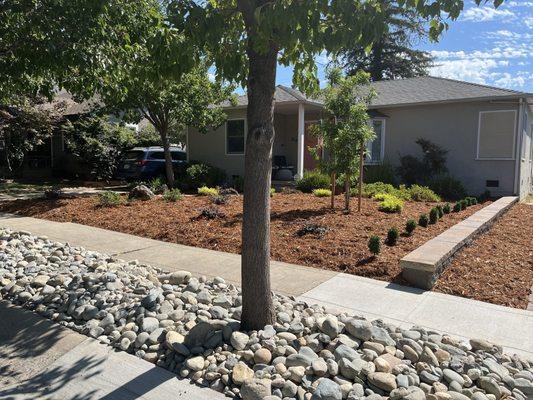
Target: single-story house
pixel 487 131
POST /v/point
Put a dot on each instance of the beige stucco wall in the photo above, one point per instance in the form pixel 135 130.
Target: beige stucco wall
pixel 211 147
pixel 453 126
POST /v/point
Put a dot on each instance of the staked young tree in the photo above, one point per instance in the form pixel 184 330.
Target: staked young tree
pixel 247 39
pixel 345 128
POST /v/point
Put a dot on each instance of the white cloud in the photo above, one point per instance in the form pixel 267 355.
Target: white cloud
pixel 473 70
pixel 519 4
pixel 482 14
pixel 528 21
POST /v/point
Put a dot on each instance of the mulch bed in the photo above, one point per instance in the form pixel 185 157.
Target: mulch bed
pixel 498 266
pixel 341 246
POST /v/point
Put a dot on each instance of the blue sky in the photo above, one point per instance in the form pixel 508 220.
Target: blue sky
pixel 485 45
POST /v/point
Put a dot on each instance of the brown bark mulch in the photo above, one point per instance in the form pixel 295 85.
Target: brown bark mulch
pixel 498 266
pixel 342 247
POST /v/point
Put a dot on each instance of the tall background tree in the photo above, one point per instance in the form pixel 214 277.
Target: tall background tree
pixel 393 54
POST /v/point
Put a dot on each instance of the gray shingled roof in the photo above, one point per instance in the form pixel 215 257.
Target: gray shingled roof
pixel 426 89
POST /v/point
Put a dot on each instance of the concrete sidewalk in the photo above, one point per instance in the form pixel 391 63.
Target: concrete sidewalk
pixel 40 359
pixel 401 305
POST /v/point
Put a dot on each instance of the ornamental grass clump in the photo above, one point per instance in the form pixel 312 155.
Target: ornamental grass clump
pixel 447 208
pixel 207 191
pixel 410 226
pixel 423 220
pixel 172 195
pixel 433 215
pixel 109 199
pixel 322 192
pixel 392 236
pixel 374 245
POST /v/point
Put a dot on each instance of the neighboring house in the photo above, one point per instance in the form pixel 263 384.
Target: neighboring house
pixel 487 131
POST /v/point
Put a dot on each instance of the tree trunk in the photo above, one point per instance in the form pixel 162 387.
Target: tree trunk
pixel 169 171
pixel 360 183
pixel 257 307
pixel 333 189
pixel 347 192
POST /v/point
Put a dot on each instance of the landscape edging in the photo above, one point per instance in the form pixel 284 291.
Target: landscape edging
pixel 423 266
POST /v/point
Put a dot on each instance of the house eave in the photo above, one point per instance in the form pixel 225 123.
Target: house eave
pixel 450 101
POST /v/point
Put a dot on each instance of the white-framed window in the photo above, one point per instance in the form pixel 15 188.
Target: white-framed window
pixel 375 149
pixel 496 135
pixel 235 134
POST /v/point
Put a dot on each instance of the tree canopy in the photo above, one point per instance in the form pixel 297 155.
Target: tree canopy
pixel 392 55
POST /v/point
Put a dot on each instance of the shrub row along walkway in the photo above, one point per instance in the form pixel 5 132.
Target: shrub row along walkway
pixel 400 305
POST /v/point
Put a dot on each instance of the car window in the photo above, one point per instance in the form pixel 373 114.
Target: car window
pixel 157 155
pixel 179 155
pixel 134 155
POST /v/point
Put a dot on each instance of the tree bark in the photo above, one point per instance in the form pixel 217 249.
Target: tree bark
pixel 257 307
pixel 360 183
pixel 347 192
pixel 169 171
pixel 333 189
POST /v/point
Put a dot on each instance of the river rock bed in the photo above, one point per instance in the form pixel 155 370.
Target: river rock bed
pixel 191 327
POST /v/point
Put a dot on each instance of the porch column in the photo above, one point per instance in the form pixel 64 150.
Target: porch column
pixel 301 141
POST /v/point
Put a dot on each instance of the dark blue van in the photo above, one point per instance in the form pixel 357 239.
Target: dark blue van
pixel 145 163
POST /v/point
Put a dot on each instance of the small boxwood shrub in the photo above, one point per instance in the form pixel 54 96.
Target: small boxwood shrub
pixel 423 193
pixel 423 220
pixel 109 199
pixel 207 191
pixel 471 201
pixel 458 206
pixel 440 210
pixel 464 204
pixel 389 203
pixel 172 195
pixel 447 208
pixel 374 245
pixel 410 226
pixel 322 192
pixel 392 236
pixel 272 192
pixel 433 215
pixel 313 180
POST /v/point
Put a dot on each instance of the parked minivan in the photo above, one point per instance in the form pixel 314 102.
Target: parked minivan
pixel 145 163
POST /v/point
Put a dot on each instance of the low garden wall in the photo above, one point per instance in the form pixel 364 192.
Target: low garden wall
pixel 423 266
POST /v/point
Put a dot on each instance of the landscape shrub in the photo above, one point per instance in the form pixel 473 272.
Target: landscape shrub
pixel 322 192
pixel 211 213
pixel 390 203
pixel 109 199
pixel 379 173
pixel 483 197
pixel 447 208
pixel 220 199
pixel 472 201
pixel 423 193
pixel 172 195
pixel 238 183
pixel 207 191
pixel 371 189
pixel 272 192
pixel 313 180
pixel 374 245
pixel 464 204
pixel 433 215
pixel 200 174
pixel 447 187
pixel 354 181
pixel 440 210
pixel 458 206
pixel 423 220
pixel 392 236
pixel 433 163
pixel 410 226
pixel 157 185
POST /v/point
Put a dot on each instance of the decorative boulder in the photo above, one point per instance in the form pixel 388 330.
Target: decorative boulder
pixel 141 192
